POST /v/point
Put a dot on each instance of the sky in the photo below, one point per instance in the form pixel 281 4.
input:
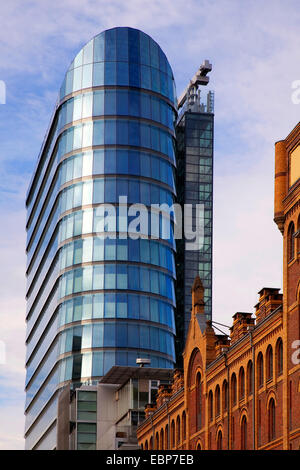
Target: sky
pixel 254 49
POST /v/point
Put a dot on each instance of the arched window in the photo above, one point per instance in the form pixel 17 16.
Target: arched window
pixel 219 440
pixel 162 440
pixel 241 383
pixel 167 437
pixel 173 434
pixel 178 430
pixel 183 426
pixel 232 433
pixel 225 395
pixel 157 441
pixel 146 445
pixel 198 446
pixel 210 406
pixel 244 433
pixel 269 358
pixel 298 238
pixel 271 418
pixel 260 370
pixel 218 400
pixel 198 401
pixel 233 390
pixel 291 242
pixel 249 378
pixel 151 443
pixel 279 357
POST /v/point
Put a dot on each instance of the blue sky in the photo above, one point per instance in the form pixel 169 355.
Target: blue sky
pixel 254 48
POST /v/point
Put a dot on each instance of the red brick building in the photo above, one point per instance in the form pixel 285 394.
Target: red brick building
pixel 242 392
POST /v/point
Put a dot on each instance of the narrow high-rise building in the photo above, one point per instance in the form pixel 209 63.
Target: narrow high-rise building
pixel 194 132
pixel 95 301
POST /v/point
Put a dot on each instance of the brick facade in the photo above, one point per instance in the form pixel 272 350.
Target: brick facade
pixel 241 392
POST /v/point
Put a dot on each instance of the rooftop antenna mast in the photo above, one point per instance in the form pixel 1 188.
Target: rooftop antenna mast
pixel 191 94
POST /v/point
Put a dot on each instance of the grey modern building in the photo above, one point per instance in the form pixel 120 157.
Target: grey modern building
pixel 195 134
pixel 95 301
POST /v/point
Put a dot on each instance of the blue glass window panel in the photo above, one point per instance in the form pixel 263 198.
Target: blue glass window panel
pixel 154 57
pixel 88 53
pixel 77 169
pixel 98 134
pixel 145 77
pixel 99 47
pixel 155 254
pixel 162 284
pixel 155 194
pixel 155 79
pixel 155 138
pixel 122 73
pixel 144 311
pixel 98 162
pixel 87 307
pixel 98 306
pixel 122 44
pixel 154 282
pixel 154 338
pixel 122 188
pixel 145 136
pixel 144 280
pixel 155 109
pixel 63 89
pixel 145 164
pixel 134 133
pixel 134 192
pixel 145 106
pixel 162 60
pixel 110 106
pixel 121 358
pixel 97 367
pixel 162 341
pixel 145 194
pixel 109 334
pixel 122 250
pixel 87 73
pixel 98 196
pixel 163 142
pixel 144 49
pixel 98 277
pixel 133 306
pixel 98 103
pixel 121 335
pixel 134 103
pixel 110 73
pixel 134 74
pixel 122 102
pixel 133 250
pixel 164 84
pixel 69 82
pixel 122 162
pixel 109 305
pixel 110 249
pixel 122 132
pixel 155 168
pixel 110 44
pixel 145 251
pixel 110 190
pixel 154 310
pixel 133 278
pixel 145 340
pixel 133 46
pixel 109 361
pixel 98 75
pixel 121 305
pixel 98 254
pixel 134 163
pixel 110 132
pixel 110 277
pixel 110 161
pixel 133 336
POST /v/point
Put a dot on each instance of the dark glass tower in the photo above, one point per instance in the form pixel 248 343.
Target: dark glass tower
pixel 95 301
pixel 194 132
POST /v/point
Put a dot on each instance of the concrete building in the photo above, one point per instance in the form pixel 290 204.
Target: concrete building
pixel 105 415
pixel 242 391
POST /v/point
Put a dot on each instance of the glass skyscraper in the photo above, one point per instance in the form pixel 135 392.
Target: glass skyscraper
pixel 95 301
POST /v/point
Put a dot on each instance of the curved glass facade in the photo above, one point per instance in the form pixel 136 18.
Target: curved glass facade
pixel 94 297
